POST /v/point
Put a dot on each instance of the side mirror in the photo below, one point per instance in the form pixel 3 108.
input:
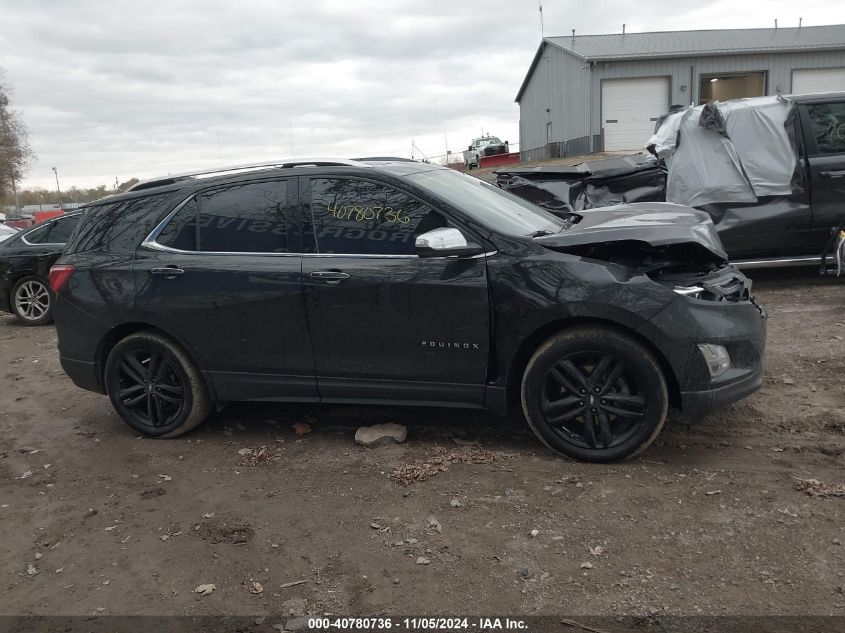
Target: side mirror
pixel 506 143
pixel 469 148
pixel 445 242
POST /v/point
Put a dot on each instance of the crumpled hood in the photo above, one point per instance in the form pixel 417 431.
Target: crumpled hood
pixel 654 223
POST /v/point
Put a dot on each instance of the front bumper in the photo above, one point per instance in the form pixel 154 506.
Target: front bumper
pixel 738 326
pixel 696 404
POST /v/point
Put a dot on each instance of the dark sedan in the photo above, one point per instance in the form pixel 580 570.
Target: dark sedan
pixel 25 261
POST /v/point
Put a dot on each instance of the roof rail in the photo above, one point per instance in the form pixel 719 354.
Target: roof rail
pixel 392 159
pixel 284 163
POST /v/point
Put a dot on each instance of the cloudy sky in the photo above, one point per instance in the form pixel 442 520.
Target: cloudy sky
pixel 115 89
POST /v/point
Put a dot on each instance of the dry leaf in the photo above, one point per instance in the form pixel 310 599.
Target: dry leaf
pixel 301 428
pixel 816 488
pixel 205 590
pixel 255 587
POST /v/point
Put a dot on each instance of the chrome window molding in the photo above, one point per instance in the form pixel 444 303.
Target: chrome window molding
pixel 155 246
pixel 35 228
pixel 361 255
pixel 28 243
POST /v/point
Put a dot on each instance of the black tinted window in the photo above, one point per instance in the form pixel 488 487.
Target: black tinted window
pixel 38 236
pixel 120 226
pixel 61 230
pixel 828 121
pixel 248 218
pixel 243 218
pixel 181 231
pixel 368 218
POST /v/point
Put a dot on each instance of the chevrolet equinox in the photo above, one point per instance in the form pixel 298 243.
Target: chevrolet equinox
pixel 385 280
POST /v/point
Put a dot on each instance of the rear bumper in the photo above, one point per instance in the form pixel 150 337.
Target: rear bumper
pixel 84 375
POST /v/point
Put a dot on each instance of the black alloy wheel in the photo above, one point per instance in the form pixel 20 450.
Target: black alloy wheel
pixel 591 399
pixel 594 394
pixel 154 386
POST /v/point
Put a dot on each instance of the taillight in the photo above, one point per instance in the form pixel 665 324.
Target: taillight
pixel 59 275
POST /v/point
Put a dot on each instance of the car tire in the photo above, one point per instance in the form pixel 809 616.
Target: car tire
pixel 594 394
pixel 155 387
pixel 31 301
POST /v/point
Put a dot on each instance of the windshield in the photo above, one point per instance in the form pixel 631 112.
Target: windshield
pixel 496 209
pixel 490 140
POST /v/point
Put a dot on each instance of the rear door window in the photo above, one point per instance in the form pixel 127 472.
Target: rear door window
pixel 37 236
pixel 362 217
pixel 61 230
pixel 239 218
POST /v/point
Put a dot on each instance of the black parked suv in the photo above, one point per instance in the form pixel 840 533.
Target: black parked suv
pixel 390 281
pixel 25 261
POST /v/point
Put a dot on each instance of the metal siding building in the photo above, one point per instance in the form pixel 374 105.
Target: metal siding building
pixel 566 97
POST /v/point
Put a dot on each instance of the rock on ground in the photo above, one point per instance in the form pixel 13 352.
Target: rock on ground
pixel 380 434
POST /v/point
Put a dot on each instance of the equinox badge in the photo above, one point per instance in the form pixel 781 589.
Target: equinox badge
pixel 450 345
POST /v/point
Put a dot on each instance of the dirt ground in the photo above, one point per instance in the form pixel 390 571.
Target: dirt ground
pixel 711 520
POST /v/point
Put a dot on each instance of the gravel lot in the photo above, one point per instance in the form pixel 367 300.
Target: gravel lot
pixel 718 518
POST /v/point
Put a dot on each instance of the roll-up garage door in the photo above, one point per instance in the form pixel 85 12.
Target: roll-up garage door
pixel 630 108
pixel 810 80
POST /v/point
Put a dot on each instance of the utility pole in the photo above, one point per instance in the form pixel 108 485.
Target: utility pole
pixel 55 171
pixel 542 31
pixel 15 193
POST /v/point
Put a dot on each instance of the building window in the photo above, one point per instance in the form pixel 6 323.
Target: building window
pixel 735 86
pixel 549 132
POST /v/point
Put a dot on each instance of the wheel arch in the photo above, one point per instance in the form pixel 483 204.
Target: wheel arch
pixel 120 332
pixel 530 344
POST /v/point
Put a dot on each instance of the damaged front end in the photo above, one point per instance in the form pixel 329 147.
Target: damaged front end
pixel 674 246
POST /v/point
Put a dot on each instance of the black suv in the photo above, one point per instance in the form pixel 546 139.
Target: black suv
pixel 391 281
pixel 25 261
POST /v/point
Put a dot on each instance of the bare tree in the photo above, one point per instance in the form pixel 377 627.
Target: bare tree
pixel 15 153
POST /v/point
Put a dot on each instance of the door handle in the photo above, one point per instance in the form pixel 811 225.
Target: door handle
pixel 329 276
pixel 169 271
pixel 832 174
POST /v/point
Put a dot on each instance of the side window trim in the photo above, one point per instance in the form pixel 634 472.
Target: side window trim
pixel 150 242
pixel 308 214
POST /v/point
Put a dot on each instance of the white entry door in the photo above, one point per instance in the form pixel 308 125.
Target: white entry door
pixel 629 110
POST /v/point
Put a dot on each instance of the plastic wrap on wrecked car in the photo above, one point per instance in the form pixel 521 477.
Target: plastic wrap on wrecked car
pixel 704 168
pixel 758 130
pixel 730 152
pixel 665 137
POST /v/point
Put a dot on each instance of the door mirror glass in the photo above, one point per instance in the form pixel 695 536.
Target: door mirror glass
pixel 445 242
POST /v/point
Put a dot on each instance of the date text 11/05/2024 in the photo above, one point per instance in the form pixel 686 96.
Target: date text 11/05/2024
pixel 418 624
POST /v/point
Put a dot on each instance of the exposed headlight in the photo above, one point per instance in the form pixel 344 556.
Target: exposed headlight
pixel 716 357
pixel 689 291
